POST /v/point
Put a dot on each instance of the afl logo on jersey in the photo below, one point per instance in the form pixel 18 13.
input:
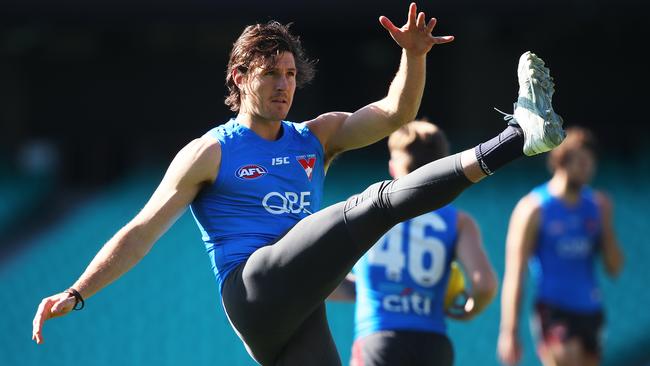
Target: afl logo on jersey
pixel 251 171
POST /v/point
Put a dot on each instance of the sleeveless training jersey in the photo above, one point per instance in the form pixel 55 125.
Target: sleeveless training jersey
pixel 263 188
pixel 402 280
pixel 563 264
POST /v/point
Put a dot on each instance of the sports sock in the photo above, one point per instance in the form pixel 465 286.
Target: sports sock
pixel 502 149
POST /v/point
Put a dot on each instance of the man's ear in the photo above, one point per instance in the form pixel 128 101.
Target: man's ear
pixel 239 78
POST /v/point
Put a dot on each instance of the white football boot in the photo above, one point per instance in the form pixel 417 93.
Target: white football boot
pixel 533 111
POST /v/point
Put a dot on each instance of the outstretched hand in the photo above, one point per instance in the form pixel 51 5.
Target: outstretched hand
pixel 51 307
pixel 508 348
pixel 415 36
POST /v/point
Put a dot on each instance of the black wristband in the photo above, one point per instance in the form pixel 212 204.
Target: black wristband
pixel 77 298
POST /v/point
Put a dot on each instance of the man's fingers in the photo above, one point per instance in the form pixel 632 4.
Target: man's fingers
pixel 443 39
pixel 513 359
pixel 412 12
pixel 517 354
pixel 469 305
pixel 431 24
pixel 50 307
pixel 39 318
pixel 420 22
pixel 511 355
pixel 387 24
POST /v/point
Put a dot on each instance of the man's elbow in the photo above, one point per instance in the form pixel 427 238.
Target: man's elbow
pixel 486 289
pixel 401 117
pixel 395 115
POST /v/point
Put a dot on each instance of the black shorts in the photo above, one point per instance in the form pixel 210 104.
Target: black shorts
pixel 553 325
pixel 402 348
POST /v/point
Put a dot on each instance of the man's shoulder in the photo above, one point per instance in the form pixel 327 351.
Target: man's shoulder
pixel 326 123
pixel 537 197
pixel 198 161
pixel 465 220
pixel 529 205
pixel 204 146
pixel 602 200
pixel 223 129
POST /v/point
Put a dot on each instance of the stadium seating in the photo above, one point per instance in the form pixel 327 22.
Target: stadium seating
pixel 166 311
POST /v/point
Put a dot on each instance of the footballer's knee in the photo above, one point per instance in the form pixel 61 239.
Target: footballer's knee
pixel 373 201
pixel 367 214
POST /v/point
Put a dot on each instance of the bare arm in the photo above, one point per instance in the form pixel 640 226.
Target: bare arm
pixel 476 265
pixel 345 291
pixel 195 165
pixel 520 243
pixel 340 131
pixel 611 251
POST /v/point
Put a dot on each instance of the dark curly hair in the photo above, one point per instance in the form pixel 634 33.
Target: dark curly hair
pixel 258 46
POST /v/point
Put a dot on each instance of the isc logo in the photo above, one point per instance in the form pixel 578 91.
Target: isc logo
pixel 251 171
pixel 280 161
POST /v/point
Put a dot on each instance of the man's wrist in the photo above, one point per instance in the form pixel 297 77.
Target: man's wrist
pixel 79 302
pixel 411 55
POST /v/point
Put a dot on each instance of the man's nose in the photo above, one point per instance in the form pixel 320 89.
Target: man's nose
pixel 282 83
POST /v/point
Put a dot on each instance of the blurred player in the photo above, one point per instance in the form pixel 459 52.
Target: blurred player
pixel 561 228
pixel 402 280
pixel 255 183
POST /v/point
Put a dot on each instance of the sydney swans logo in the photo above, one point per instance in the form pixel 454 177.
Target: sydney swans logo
pixel 307 162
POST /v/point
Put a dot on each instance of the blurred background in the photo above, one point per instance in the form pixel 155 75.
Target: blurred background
pixel 97 97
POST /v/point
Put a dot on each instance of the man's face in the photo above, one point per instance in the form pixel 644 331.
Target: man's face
pixel 580 167
pixel 268 92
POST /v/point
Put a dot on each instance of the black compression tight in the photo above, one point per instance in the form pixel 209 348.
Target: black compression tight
pixel 275 299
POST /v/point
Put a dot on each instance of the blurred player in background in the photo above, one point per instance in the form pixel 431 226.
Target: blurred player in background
pixel 402 280
pixel 255 183
pixel 560 228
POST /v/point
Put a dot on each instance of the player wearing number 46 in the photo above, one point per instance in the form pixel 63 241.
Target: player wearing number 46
pixel 409 281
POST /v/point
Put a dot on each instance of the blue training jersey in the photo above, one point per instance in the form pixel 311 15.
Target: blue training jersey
pixel 401 281
pixel 568 240
pixel 263 188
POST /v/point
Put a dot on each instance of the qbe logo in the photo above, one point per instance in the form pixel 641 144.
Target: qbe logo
pixel 278 203
pixel 251 171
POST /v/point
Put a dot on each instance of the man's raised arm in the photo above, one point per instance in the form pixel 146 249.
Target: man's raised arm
pixel 344 131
